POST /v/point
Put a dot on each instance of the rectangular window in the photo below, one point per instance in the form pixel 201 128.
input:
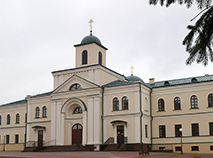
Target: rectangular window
pixel 211 128
pixel 178 148
pixel 7 139
pixel 177 130
pixel 195 148
pixel 146 131
pixel 16 138
pixel 211 147
pixel 162 148
pixel 195 129
pixel 162 131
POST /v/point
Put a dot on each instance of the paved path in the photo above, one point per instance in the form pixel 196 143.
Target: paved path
pixel 71 154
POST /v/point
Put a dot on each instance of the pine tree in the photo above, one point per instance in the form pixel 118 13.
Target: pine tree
pixel 199 40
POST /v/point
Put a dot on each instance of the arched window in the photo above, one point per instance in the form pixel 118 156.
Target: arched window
pixel 194 104
pixel 78 110
pixel 124 103
pixel 37 112
pixel 0 120
pixel 75 86
pixel 44 111
pixel 8 119
pixel 210 100
pixel 177 105
pixel 84 57
pixel 161 105
pixel 17 118
pixel 115 104
pixel 100 58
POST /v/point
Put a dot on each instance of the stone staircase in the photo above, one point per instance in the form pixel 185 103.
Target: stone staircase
pixel 61 148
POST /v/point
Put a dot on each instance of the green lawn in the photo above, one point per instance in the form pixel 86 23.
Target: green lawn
pixel 177 156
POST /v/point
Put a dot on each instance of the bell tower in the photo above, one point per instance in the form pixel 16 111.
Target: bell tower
pixel 90 51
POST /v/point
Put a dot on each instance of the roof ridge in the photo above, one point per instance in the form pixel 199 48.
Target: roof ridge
pixel 182 81
pixel 184 78
pixel 41 94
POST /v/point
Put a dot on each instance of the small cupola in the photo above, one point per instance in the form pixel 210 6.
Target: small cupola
pixel 90 51
pixel 133 78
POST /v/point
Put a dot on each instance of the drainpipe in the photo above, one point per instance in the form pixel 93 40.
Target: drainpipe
pixel 150 99
pixel 102 119
pixel 141 114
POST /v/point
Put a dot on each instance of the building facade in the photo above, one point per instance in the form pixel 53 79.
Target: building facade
pixel 92 105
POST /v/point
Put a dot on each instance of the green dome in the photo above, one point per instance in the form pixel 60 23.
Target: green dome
pixel 133 78
pixel 91 39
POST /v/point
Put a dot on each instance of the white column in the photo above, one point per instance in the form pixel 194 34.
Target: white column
pixel 69 133
pixel 125 132
pixel 90 121
pixel 105 113
pixel 115 133
pixel 62 128
pixel 58 126
pixel 97 121
pixel 28 133
pixel 28 120
pixel 84 128
pixel 53 122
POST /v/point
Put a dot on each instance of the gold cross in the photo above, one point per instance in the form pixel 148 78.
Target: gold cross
pixel 132 70
pixel 91 21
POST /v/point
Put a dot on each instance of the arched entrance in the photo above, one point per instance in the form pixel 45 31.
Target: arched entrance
pixel 77 133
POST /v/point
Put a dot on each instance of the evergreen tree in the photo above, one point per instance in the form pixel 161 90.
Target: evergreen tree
pixel 199 40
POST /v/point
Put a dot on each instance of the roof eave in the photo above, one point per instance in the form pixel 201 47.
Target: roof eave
pixel 76 45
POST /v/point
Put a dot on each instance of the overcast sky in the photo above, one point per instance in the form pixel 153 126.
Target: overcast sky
pixel 37 37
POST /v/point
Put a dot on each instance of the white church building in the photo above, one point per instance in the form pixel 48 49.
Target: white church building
pixel 93 107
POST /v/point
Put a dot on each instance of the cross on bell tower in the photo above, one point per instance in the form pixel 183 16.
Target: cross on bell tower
pixel 91 21
pixel 131 70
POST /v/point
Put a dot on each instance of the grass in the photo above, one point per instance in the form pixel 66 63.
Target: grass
pixel 176 156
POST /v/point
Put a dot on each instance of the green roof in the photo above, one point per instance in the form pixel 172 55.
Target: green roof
pixel 129 80
pixel 42 94
pixel 118 83
pixel 24 101
pixel 90 39
pixel 182 81
pixel 134 78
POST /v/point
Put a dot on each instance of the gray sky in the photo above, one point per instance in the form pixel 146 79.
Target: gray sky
pixel 37 37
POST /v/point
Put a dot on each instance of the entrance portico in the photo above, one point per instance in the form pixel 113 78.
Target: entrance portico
pixel 120 131
pixel 63 118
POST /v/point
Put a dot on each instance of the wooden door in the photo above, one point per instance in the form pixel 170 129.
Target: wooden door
pixel 120 134
pixel 77 134
pixel 40 138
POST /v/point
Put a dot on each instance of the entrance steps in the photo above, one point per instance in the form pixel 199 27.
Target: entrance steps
pixel 61 148
pixel 115 147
